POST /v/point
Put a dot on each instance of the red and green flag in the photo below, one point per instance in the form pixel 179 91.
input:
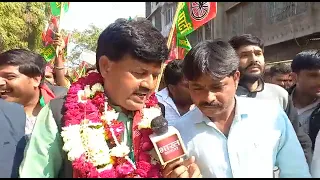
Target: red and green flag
pixel 56 8
pixel 178 48
pixel 48 52
pixel 49 34
pixel 191 16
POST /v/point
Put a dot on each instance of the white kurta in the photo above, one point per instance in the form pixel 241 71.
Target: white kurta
pixel 261 137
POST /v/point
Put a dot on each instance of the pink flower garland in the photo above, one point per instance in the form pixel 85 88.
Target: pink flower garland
pixel 94 108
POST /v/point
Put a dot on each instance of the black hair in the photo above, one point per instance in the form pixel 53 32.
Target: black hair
pixel 90 68
pixel 266 71
pixel 215 57
pixel 138 38
pixel 306 60
pixel 245 40
pixel 173 72
pixel 29 63
pixel 280 68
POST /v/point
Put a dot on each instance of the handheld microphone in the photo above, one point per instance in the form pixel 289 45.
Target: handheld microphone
pixel 166 141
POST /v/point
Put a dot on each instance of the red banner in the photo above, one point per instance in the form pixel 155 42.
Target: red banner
pixel 175 51
pixel 201 12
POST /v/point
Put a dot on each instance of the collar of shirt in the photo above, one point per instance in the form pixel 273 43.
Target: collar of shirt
pixel 306 108
pixel 243 90
pixel 119 110
pixel 163 97
pixel 240 113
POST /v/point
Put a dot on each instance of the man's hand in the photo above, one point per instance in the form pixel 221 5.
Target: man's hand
pixel 59 43
pixel 182 169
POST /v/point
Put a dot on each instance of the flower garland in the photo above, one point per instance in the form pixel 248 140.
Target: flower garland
pixel 92 135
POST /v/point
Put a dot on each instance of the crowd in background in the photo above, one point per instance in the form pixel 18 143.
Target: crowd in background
pixel 236 117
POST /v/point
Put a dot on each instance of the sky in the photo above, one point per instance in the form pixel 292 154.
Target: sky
pixel 101 14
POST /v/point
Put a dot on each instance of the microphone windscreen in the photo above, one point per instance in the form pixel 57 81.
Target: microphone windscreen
pixel 159 125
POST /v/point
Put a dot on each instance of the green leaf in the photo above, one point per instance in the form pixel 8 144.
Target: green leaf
pixel 21 25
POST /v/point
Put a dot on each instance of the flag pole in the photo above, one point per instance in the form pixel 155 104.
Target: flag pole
pixel 59 28
pixel 170 37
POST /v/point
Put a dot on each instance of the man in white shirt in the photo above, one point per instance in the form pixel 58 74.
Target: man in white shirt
pixel 175 97
pixel 229 136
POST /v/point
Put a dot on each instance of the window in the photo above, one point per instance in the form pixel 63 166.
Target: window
pixel 168 15
pixel 249 14
pixel 153 20
pixel 301 7
pixel 235 25
pixel 235 21
pixel 279 11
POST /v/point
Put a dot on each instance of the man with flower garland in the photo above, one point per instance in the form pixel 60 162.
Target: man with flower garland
pixel 106 116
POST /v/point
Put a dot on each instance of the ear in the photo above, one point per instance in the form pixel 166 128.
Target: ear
pixel 36 81
pixel 105 65
pixel 236 77
pixel 171 88
pixel 294 76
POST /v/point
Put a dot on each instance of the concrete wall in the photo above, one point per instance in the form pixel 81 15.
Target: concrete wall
pixel 288 49
pixel 280 24
pixel 277 25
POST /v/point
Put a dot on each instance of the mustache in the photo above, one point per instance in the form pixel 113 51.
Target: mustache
pixel 252 64
pixel 142 91
pixel 211 104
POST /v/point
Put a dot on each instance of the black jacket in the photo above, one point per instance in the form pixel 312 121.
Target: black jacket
pixel 12 138
pixel 58 91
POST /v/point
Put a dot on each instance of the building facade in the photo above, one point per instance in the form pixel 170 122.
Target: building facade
pixel 286 27
pixel 161 15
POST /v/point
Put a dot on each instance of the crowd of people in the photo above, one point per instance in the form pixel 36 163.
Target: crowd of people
pixel 235 118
